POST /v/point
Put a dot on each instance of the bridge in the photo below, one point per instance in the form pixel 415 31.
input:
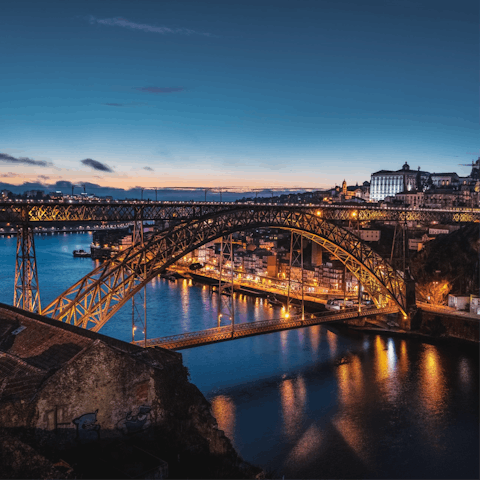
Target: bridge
pixel 241 330
pixel 93 300
pixel 19 212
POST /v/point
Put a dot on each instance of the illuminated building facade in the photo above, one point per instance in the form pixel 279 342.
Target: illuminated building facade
pixel 387 183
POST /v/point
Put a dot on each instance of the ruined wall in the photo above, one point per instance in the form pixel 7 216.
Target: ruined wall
pixel 101 393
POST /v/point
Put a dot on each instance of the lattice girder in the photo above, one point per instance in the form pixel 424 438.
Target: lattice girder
pixel 127 211
pixel 98 296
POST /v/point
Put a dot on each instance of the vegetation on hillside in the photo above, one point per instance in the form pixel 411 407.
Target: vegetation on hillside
pixel 452 259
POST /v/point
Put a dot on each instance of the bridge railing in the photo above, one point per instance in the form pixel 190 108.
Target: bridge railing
pixel 240 329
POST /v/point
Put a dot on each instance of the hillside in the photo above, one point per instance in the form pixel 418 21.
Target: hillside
pixel 453 257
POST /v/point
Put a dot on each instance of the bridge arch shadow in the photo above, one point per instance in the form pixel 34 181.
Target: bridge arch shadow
pixel 94 299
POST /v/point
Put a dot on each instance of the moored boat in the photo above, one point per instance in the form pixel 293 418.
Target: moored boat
pixel 81 253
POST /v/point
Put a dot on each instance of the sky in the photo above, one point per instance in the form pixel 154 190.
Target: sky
pixel 263 93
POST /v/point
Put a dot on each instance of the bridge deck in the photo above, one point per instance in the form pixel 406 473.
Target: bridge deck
pixel 223 334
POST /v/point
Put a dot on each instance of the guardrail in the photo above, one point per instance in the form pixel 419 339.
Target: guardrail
pixel 239 330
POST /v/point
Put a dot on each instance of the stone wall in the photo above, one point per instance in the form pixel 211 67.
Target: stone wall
pixel 444 325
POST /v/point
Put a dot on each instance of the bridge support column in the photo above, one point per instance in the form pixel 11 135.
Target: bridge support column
pixel 26 293
pixel 138 322
pixel 407 322
pixel 226 306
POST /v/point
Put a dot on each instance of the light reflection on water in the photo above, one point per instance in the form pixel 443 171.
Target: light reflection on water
pixel 223 409
pixel 432 381
pixel 293 397
pixel 398 408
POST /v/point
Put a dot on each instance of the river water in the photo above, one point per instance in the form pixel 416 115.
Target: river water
pixel 318 402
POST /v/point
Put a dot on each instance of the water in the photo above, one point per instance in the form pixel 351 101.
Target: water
pixel 314 403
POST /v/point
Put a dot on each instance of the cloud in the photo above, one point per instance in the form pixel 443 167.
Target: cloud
pixel 162 30
pixel 23 160
pixel 148 168
pixel 43 178
pixel 96 165
pixel 160 89
pixel 9 175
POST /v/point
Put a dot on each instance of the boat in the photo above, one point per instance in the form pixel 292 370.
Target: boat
pixel 81 254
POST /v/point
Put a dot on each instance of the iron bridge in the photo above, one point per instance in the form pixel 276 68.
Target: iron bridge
pixel 94 299
pixel 241 330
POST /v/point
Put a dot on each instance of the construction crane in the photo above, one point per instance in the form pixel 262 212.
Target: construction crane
pixel 475 166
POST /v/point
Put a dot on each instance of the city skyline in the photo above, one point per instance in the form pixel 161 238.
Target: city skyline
pixel 255 93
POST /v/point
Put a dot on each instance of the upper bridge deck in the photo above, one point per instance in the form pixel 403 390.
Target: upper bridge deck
pixel 16 212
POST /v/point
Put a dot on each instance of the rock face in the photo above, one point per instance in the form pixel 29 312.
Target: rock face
pixel 455 256
pixel 83 397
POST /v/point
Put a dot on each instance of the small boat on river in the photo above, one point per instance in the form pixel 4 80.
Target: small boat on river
pixel 81 254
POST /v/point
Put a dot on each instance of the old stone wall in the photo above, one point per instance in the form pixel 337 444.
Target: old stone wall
pixel 100 394
pixel 444 325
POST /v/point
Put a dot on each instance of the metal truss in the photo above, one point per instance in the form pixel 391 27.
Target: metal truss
pixel 94 299
pixel 295 260
pixel 26 294
pixel 225 300
pixel 128 211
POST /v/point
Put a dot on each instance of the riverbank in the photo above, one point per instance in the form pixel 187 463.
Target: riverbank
pixel 429 329
pixel 427 324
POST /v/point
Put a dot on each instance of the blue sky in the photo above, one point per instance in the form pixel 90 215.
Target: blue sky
pixel 223 93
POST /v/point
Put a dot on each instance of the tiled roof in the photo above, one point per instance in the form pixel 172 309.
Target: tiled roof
pixel 18 379
pixel 39 344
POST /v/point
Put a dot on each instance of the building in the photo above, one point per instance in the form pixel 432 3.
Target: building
pixel 366 235
pixel 459 302
pixel 65 388
pixel 475 304
pixel 388 183
pixel 412 199
pixel 444 179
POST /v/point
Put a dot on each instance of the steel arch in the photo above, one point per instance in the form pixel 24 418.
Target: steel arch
pixel 94 299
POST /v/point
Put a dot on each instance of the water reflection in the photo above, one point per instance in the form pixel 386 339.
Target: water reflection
pixel 314 337
pixel 403 358
pixel 350 382
pixel 332 342
pixel 306 447
pixel 392 359
pixel 381 360
pixel 293 394
pixel 223 409
pixel 353 435
pixel 432 380
pixel 464 374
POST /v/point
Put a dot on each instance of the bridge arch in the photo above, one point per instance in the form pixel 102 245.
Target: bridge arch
pixel 94 299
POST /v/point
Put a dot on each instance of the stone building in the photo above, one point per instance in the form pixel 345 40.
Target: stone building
pixel 63 389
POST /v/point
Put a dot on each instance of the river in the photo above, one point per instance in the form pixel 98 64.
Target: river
pixel 318 402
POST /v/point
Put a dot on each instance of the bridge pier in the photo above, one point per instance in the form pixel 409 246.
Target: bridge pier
pixel 407 322
pixel 26 292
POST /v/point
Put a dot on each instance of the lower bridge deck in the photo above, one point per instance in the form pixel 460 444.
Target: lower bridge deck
pixel 240 330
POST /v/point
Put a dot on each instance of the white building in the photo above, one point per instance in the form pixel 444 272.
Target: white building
pixel 387 183
pixel 459 302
